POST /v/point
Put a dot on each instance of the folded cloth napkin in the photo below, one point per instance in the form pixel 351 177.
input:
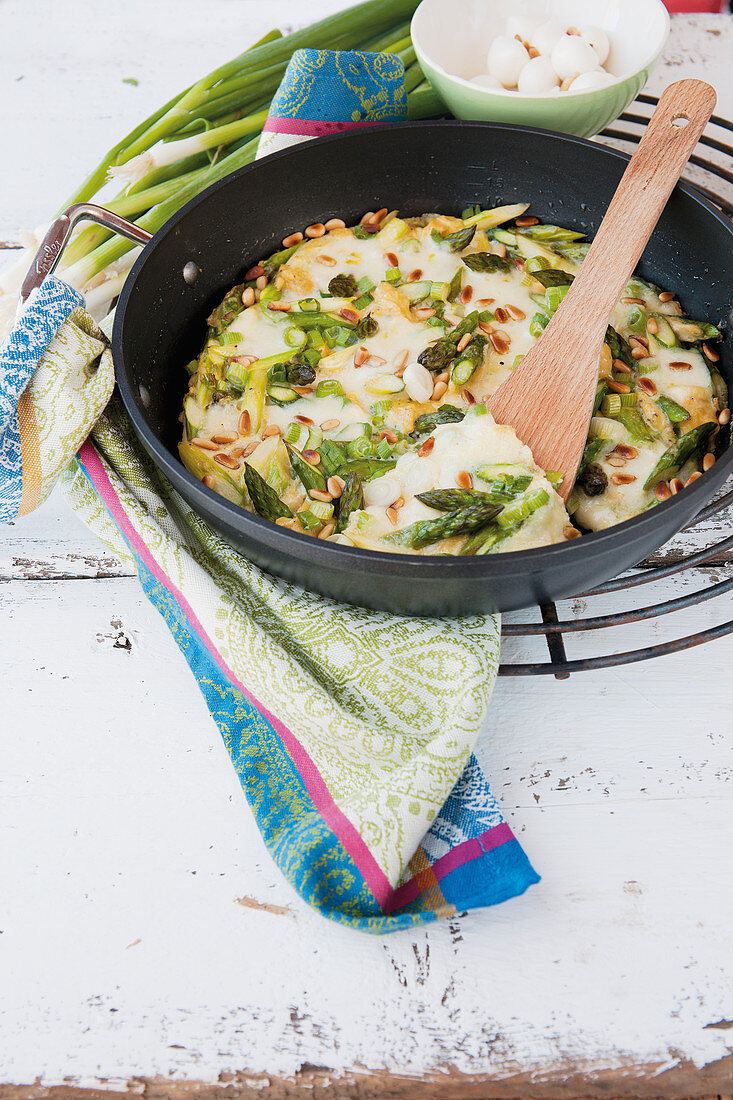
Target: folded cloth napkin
pixel 351 731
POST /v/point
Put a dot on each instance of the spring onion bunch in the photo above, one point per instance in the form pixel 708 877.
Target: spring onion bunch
pixel 207 131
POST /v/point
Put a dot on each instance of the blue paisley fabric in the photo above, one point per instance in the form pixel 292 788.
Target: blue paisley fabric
pixel 342 86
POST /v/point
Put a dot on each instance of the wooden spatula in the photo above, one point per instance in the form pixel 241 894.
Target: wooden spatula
pixel 548 399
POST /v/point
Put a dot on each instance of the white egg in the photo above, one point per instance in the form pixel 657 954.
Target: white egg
pixel 537 77
pixel 572 55
pixel 523 25
pixel 598 40
pixel 382 491
pixel 418 382
pixel 546 35
pixel 486 80
pixel 506 59
pixel 591 82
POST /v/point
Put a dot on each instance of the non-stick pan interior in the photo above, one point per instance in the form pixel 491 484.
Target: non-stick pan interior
pixel 416 168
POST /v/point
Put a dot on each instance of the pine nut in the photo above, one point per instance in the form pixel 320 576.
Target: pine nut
pixel 415 275
pixel 208 481
pixel 470 399
pixel 399 503
pixel 570 532
pixel 666 296
pixel 390 436
pixel 400 360
pixel 639 352
pixel 526 219
pixel 270 430
pixel 367 218
pixel 329 425
pixel 254 273
pixel 640 340
pixel 620 367
pixel 573 30
pixel 652 325
pixel 380 215
pixel 501 315
pixel 622 479
pixel 662 491
pixel 489 302
pixel 679 365
pixel 675 485
pixel 392 260
pixel 438 390
pixel 692 477
pixel 515 313
pixel 443 376
pixel 304 391
pixel 498 248
pixel 647 386
pixel 226 461
pixel 327 261
pixel 708 462
pixel 261 282
pixel 248 296
pixel 350 314
pixel 237 452
pixel 626 451
pixel 294 238
pixel 258 295
pixel 711 353
pixel 467 294
pixel 427 446
pixel 303 420
pixel 499 345
pixel 392 515
pixel 617 461
pixel 318 494
pixel 204 444
pixel 315 230
pixel 464 341
pixel 360 356
pixel 486 328
pixel 335 486
pixel 464 480
pixel 633 301
pixel 311 457
pixel 617 387
pixel 225 437
pixel 423 314
pixel 328 530
pixel 724 416
pixel 250 448
pixel 279 307
pixel 335 223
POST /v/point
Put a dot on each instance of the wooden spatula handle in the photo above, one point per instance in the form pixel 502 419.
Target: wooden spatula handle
pixel 672 133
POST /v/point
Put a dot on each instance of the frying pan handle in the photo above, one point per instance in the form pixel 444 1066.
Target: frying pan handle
pixel 53 244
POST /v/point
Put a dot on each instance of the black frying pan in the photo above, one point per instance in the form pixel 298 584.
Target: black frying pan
pixel 415 167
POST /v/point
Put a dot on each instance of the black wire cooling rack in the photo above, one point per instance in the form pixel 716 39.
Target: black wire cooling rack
pixel 710 171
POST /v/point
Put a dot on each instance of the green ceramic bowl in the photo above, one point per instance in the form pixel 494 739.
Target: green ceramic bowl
pixel 452 37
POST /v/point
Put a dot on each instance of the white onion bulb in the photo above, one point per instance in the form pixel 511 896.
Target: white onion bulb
pixel 486 80
pixel 598 40
pixel 537 77
pixel 591 82
pixel 572 55
pixel 546 35
pixel 506 59
pixel 382 491
pixel 418 382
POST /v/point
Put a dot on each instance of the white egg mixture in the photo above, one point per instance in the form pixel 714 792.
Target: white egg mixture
pixel 342 389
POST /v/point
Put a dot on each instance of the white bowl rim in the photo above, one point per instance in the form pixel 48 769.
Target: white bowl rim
pixel 526 96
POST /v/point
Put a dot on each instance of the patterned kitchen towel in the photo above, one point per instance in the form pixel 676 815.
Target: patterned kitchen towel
pixel 351 731
pixel 326 91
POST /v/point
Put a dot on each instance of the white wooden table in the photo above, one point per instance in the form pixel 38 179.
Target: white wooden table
pixel 147 943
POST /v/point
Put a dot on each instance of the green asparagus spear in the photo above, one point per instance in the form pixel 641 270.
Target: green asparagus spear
pixel 427 422
pixel 448 500
pixel 510 519
pixel 553 277
pixel 591 452
pixel 619 348
pixel 487 262
pixel 672 410
pixel 343 286
pixel 678 454
pixel 436 357
pixel 265 500
pixel 333 458
pixel 690 331
pixel 310 477
pixel 456 241
pixel 367 327
pixel 469 360
pixel 368 468
pixel 635 425
pixel 351 499
pixel 461 522
pixel 225 313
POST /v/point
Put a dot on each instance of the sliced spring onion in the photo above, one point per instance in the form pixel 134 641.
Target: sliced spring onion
pixel 283 395
pixel 309 305
pixel 384 383
pixel 393 275
pixel 295 337
pixel 329 387
pixel 611 430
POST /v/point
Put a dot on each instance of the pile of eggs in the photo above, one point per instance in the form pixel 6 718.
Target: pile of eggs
pixel 536 57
